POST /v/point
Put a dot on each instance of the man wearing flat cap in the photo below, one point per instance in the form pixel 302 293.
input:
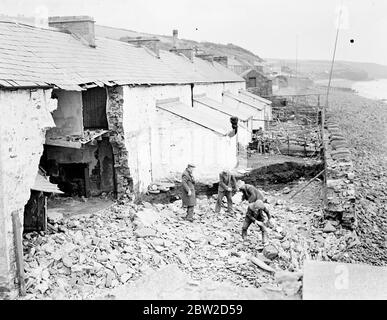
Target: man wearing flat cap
pixel 227 184
pixel 188 196
pixel 256 214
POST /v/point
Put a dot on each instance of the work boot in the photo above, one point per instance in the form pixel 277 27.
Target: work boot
pixel 263 238
pixel 244 234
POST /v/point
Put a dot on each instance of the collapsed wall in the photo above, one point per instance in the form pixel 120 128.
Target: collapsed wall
pixel 22 137
pixel 115 114
pixel 340 187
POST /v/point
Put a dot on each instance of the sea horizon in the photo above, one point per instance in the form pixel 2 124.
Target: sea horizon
pixel 372 89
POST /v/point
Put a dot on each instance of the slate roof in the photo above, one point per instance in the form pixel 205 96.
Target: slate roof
pixel 254 96
pixel 244 113
pixel 37 57
pixel 248 101
pixel 211 120
pixel 42 184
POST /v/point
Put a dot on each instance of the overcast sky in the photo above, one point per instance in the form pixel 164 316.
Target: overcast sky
pixel 269 28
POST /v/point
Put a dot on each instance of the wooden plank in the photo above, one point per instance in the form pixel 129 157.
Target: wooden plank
pixel 19 251
pixel 63 143
pixel 87 181
pixel 310 181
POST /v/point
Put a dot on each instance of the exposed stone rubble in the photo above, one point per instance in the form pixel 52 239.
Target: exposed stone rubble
pixel 115 116
pixel 98 252
pixel 340 186
pixel 364 124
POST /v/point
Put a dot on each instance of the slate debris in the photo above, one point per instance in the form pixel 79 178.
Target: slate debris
pixel 99 252
pixel 363 123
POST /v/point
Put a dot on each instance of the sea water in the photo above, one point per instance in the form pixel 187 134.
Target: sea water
pixel 375 89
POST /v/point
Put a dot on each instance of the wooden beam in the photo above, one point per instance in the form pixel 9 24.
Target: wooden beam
pixel 310 181
pixel 19 251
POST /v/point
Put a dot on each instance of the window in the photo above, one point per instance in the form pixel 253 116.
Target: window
pixel 94 108
pixel 252 82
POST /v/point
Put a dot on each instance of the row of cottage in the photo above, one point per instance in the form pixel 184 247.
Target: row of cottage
pixel 100 115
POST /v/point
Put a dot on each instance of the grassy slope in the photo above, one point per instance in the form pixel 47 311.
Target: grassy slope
pixel 166 43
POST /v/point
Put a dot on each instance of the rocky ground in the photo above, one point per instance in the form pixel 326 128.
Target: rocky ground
pixel 364 123
pixel 92 254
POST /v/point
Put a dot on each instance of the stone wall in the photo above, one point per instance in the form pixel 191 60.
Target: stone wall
pixel 134 123
pixel 340 187
pixel 22 131
pixel 115 116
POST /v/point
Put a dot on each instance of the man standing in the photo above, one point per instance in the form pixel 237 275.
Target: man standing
pixel 227 184
pixel 250 193
pixel 255 214
pixel 188 193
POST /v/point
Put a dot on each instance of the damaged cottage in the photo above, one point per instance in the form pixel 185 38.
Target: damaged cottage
pixel 93 115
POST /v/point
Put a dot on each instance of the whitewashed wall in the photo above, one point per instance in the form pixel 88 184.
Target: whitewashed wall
pixel 214 91
pixel 22 131
pixel 183 142
pixel 139 127
pixel 148 156
pixel 258 116
pixel 244 131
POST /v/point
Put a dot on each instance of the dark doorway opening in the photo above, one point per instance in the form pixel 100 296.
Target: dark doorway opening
pixel 73 179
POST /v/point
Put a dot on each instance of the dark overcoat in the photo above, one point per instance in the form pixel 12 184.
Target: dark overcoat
pixel 188 183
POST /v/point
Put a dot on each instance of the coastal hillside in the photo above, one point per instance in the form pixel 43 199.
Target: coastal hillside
pixel 319 69
pixel 166 43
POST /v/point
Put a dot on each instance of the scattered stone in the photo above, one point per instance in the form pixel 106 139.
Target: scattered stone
pixel 329 227
pixel 121 268
pixel 194 236
pixel 270 252
pixel 285 245
pixel 284 276
pixel 67 261
pixel 125 277
pixel 286 190
pixel 145 232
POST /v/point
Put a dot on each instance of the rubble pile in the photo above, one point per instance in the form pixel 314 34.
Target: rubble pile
pixel 340 187
pixel 99 252
pixel 364 124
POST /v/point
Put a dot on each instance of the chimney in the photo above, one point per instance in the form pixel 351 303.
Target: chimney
pixel 81 26
pixel 188 52
pixel 150 43
pixel 223 60
pixel 174 34
pixel 207 57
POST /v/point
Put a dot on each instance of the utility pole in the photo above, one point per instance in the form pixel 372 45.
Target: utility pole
pixel 296 89
pixel 329 85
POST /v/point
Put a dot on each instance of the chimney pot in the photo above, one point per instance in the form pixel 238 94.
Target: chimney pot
pixel 187 52
pixel 175 35
pixel 150 43
pixel 82 26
